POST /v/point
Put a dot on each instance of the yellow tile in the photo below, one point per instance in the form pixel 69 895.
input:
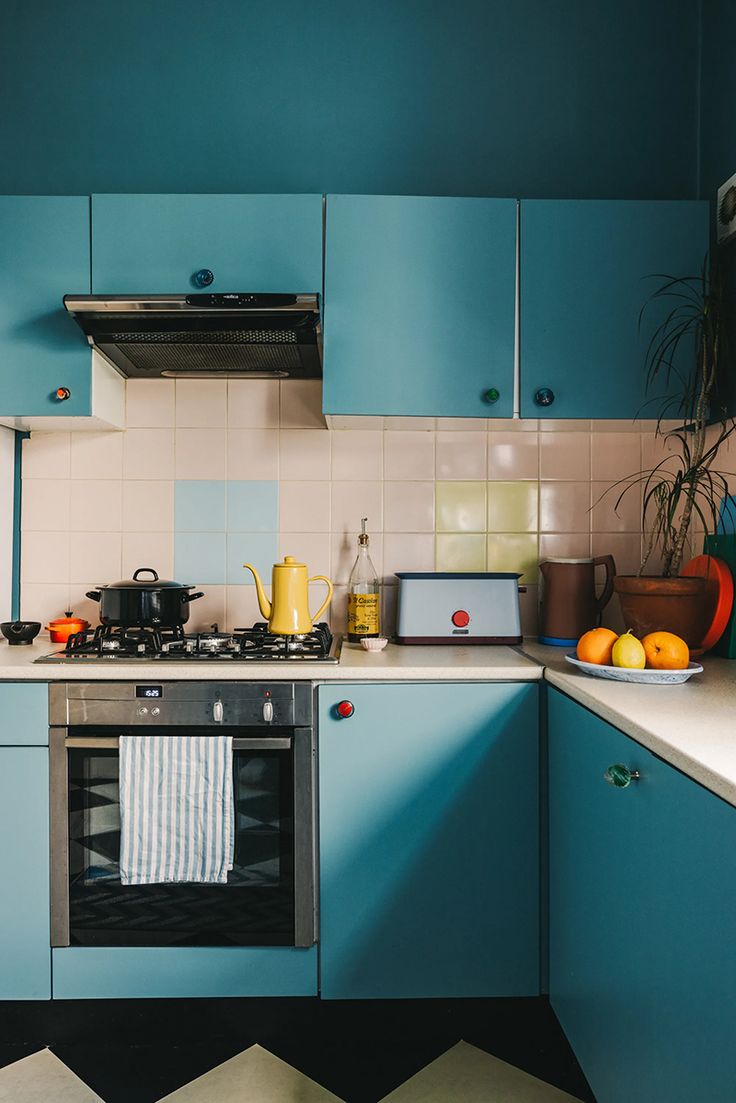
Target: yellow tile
pixel 516 551
pixel 512 507
pixel 460 551
pixel 460 507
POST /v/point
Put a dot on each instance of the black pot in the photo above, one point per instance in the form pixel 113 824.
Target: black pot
pixel 155 603
pixel 20 631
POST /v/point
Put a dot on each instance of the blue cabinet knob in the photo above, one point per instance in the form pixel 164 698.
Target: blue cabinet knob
pixel 492 395
pixel 544 396
pixel 203 278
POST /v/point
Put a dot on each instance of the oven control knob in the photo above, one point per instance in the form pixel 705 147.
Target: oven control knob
pixel 268 711
pixel 156 711
pixel 345 709
pixel 142 710
pixel 461 618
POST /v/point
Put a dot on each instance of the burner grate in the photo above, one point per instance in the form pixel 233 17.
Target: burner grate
pixel 254 644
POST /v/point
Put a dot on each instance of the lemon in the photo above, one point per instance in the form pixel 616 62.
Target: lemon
pixel 628 652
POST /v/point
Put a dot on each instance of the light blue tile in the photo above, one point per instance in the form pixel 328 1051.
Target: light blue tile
pixel 199 557
pixel 259 548
pixel 253 505
pixel 199 505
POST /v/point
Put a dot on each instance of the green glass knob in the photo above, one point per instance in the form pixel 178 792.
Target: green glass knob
pixel 620 776
pixel 493 395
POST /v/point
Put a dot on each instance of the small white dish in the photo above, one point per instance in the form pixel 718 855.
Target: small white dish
pixel 644 677
pixel 374 643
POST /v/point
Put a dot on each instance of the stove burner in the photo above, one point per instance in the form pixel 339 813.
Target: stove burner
pixel 254 644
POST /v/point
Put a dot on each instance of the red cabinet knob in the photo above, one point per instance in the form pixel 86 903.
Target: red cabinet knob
pixel 460 618
pixel 62 393
pixel 345 709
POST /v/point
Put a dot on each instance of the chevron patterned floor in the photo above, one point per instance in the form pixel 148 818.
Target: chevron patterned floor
pixel 286 1051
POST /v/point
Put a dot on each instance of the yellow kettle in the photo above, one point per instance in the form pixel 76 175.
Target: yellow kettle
pixel 288 611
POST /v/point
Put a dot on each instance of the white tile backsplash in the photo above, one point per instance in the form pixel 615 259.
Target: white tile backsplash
pixel 97 455
pixel 201 454
pixel 251 454
pixel 150 403
pixel 98 505
pixel 148 454
pixel 201 403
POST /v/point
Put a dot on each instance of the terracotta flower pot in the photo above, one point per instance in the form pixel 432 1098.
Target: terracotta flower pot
pixel 674 605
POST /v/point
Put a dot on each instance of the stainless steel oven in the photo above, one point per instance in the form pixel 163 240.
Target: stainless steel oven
pixel 269 898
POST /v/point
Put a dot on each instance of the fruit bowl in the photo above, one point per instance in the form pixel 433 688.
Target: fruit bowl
pixel 645 677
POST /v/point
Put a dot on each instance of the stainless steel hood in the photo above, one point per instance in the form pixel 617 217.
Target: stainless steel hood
pixel 204 336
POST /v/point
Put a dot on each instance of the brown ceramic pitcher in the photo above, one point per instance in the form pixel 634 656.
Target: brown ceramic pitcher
pixel 568 603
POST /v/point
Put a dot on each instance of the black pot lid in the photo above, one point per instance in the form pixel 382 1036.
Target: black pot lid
pixel 151 582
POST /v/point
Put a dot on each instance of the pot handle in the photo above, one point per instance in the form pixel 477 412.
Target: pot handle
pixel 93 595
pixel 609 563
pixel 150 571
pixel 192 597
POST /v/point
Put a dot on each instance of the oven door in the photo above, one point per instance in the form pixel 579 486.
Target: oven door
pixel 269 896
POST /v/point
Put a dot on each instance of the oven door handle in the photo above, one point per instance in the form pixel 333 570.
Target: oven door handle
pixel 271 743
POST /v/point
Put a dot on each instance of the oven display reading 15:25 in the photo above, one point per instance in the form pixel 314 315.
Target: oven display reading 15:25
pixel 149 691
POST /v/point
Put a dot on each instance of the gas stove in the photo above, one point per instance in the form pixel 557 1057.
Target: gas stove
pixel 254 644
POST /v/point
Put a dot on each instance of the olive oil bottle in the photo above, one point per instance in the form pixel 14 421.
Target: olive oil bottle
pixel 364 615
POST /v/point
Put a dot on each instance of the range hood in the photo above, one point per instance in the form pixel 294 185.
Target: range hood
pixel 204 336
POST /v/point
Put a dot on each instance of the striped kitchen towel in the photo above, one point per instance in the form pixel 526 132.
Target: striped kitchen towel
pixel 177 820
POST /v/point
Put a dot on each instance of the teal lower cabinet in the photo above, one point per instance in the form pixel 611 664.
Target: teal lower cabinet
pixel 128 972
pixel 24 714
pixel 429 840
pixel 642 918
pixel 25 954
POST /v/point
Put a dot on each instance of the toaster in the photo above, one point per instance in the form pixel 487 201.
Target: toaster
pixel 458 608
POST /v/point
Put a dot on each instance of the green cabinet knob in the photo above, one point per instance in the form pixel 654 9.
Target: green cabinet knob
pixel 620 776
pixel 492 395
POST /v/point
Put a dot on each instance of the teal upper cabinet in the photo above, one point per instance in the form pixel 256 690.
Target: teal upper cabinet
pixel 429 841
pixel 44 255
pixel 419 306
pixel 586 269
pixel 642 918
pixel 155 244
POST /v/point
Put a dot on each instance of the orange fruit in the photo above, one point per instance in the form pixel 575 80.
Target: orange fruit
pixel 666 651
pixel 596 646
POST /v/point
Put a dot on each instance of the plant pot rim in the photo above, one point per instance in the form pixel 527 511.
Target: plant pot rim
pixel 657 584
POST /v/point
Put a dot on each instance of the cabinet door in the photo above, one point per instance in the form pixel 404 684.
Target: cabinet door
pixel 586 269
pixel 429 841
pixel 24 714
pixel 44 255
pixel 25 953
pixel 419 306
pixel 153 244
pixel 642 918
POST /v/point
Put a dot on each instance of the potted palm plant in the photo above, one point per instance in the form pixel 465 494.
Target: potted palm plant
pixel 687 357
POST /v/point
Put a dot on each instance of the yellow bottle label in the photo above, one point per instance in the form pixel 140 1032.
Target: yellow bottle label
pixel 363 615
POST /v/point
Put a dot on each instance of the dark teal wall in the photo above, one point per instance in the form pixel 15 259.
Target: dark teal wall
pixel 718 96
pixel 499 97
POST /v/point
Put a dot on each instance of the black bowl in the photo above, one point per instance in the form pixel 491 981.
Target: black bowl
pixel 20 631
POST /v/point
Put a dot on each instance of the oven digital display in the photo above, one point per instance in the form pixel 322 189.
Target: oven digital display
pixel 149 691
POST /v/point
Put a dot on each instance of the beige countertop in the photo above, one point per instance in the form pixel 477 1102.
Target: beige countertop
pixel 394 663
pixel 692 726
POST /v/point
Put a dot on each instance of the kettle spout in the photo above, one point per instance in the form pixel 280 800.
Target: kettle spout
pixel 263 603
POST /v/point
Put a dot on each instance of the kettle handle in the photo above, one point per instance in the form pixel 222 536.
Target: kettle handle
pixel 328 599
pixel 609 563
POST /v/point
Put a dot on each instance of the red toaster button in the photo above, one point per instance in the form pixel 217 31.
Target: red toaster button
pixel 460 618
